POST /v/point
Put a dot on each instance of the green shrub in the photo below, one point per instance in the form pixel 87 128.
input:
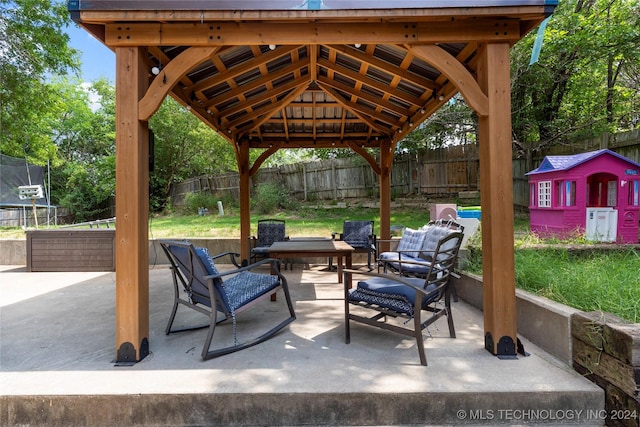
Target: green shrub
pixel 194 201
pixel 270 197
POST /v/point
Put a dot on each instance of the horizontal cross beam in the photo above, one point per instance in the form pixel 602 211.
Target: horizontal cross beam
pixel 252 33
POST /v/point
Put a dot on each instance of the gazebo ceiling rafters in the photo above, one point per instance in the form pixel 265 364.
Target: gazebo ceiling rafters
pixel 383 89
pixel 311 79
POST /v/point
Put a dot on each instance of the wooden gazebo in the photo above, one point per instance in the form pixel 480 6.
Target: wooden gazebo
pixel 357 74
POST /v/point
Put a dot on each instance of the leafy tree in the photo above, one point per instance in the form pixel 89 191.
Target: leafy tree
pixel 89 188
pixel 584 83
pixel 184 147
pixel 454 123
pixel 83 120
pixel 33 47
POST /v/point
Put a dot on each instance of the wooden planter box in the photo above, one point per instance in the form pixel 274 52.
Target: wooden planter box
pixel 71 250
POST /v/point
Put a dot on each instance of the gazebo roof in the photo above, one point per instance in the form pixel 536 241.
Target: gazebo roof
pixel 309 74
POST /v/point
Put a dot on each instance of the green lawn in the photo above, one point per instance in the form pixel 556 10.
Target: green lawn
pixel 305 221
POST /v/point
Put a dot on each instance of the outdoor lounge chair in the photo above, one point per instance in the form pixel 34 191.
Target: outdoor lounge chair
pixel 409 258
pixel 269 232
pixel 395 296
pixel 359 235
pixel 409 244
pixel 229 293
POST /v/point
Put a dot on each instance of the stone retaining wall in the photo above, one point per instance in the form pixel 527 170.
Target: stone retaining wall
pixel 606 349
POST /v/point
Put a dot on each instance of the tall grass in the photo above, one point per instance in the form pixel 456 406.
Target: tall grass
pixel 588 280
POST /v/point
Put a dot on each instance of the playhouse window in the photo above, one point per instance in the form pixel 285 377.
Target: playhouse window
pixel 532 194
pixel 565 193
pixel 634 193
pixel 544 194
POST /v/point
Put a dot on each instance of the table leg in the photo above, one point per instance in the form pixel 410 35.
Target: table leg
pixel 273 295
pixel 349 266
pixel 339 259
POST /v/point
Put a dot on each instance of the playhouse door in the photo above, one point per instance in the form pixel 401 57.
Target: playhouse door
pixel 602 190
pixel 602 224
pixel 602 199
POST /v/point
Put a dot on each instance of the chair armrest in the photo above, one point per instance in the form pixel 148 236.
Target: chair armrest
pixel 233 256
pixel 274 265
pixel 392 243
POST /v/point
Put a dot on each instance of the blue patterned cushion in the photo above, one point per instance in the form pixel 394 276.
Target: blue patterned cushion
pixel 203 253
pixel 390 294
pixel 396 256
pixel 247 286
pixel 409 268
pixel 391 287
pixel 269 233
pixel 433 235
pixel 411 240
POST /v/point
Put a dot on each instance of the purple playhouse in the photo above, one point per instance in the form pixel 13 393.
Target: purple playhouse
pixel 595 193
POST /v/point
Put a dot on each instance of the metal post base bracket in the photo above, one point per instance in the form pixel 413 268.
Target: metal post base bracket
pixel 506 349
pixel 126 355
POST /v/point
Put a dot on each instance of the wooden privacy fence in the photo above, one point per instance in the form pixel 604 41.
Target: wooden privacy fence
pixel 439 172
pixel 442 172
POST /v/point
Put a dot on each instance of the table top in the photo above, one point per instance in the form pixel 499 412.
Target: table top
pixel 302 246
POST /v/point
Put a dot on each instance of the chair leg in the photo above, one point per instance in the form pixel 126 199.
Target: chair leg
pixel 347 330
pixel 212 328
pixel 454 292
pixel 176 299
pixel 287 297
pixel 210 354
pixel 174 310
pixel 417 328
pixel 452 329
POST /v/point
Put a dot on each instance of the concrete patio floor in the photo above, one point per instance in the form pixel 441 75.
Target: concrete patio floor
pixel 57 345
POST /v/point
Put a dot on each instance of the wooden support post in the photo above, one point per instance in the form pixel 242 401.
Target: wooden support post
pixel 245 198
pixel 132 208
pixel 386 159
pixel 496 186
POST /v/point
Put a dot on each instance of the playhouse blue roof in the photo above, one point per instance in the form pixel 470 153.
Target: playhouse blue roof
pixel 558 163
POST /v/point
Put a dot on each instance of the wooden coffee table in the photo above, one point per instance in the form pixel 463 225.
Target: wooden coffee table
pixel 314 247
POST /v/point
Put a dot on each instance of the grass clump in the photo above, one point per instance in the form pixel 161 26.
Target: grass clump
pixel 588 280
